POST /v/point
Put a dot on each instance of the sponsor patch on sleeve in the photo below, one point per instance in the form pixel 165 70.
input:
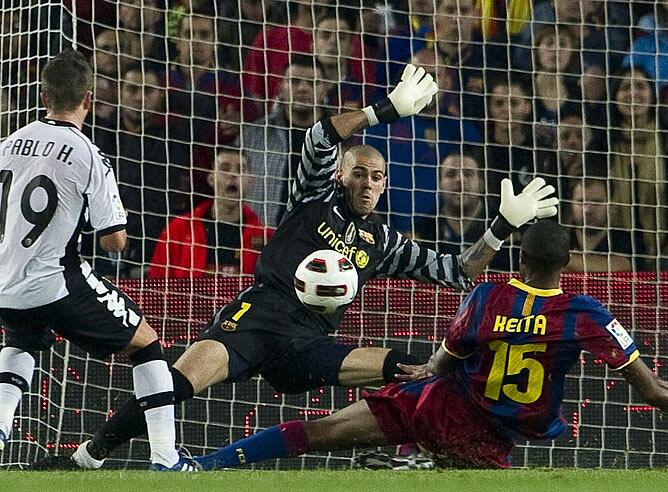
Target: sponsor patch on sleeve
pixel 621 335
pixel 117 207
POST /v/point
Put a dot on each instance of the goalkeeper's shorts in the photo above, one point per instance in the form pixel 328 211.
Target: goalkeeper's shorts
pixel 436 414
pixel 264 336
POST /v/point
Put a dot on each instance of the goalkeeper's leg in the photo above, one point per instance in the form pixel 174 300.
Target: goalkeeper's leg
pixel 205 363
pixel 16 368
pixel 350 427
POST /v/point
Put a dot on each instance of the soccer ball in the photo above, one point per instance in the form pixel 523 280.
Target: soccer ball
pixel 325 280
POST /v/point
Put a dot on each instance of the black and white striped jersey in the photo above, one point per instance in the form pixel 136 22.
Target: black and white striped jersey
pixel 52 179
pixel 317 217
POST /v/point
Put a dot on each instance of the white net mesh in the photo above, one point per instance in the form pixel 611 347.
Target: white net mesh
pixel 525 89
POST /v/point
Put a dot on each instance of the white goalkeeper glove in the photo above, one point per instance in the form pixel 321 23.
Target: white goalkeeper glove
pixel 415 91
pixel 517 210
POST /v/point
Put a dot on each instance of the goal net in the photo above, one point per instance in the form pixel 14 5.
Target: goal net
pixel 201 104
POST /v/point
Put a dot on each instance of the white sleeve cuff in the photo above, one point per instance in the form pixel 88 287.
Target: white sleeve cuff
pixel 492 241
pixel 370 115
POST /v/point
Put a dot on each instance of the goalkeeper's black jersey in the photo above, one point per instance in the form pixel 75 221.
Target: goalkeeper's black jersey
pixel 317 217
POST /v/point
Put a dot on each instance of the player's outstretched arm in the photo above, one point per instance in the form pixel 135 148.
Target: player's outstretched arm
pixel 319 152
pixel 534 202
pixel 320 149
pixel 415 91
pixel 652 388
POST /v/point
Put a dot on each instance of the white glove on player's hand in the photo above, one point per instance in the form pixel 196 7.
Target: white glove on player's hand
pixel 532 203
pixel 414 92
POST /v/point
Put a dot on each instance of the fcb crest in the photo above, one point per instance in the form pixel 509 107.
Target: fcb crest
pixel 367 236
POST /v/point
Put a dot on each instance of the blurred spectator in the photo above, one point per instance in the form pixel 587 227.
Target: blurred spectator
pixel 194 72
pixel 414 146
pixel 574 138
pixel 650 51
pixel 91 15
pixel 18 51
pixel 272 48
pixel 25 45
pixel 207 99
pixel 555 67
pixel 510 149
pixel 7 113
pixel 637 166
pixel 414 32
pixel 242 21
pixel 147 160
pixel 142 30
pixel 501 21
pixel 465 59
pixel 221 235
pixel 612 21
pixel 105 59
pixel 460 218
pixel 602 29
pixel 652 17
pixel 273 143
pixel 579 150
pixel 595 247
pixel 331 47
pixel 105 93
pixel 368 61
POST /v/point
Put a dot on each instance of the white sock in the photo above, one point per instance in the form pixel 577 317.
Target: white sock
pixel 152 378
pixel 13 361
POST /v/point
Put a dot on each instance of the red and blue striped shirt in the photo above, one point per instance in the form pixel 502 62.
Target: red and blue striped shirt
pixel 517 343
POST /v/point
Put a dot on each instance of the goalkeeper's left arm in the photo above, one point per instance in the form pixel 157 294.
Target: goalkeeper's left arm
pixel 319 152
pixel 411 95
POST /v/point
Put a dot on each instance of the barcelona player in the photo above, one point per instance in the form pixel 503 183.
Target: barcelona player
pixel 498 377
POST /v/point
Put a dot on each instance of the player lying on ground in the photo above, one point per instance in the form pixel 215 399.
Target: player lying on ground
pixel 45 287
pixel 497 377
pixel 266 329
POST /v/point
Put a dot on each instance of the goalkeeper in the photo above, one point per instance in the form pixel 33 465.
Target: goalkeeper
pixel 266 330
pixel 497 378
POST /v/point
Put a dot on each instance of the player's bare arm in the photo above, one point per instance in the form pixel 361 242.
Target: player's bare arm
pixel 347 124
pixel 114 242
pixel 653 389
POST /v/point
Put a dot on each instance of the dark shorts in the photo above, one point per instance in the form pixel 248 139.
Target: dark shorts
pixel 436 414
pixel 95 316
pixel 265 334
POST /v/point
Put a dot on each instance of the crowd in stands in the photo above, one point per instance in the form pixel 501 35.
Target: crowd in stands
pixel 203 105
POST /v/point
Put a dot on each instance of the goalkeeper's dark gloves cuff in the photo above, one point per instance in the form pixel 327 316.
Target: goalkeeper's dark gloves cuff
pixel 498 232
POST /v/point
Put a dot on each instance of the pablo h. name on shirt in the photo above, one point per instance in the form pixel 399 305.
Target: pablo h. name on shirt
pixel 28 147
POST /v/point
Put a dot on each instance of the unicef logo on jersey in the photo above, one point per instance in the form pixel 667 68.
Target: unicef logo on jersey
pixel 338 243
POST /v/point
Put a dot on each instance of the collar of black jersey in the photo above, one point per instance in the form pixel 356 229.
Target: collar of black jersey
pixel 49 121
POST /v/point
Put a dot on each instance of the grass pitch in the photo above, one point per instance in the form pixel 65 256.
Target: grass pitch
pixel 329 481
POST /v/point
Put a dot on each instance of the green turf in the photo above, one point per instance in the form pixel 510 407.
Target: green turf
pixel 329 481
